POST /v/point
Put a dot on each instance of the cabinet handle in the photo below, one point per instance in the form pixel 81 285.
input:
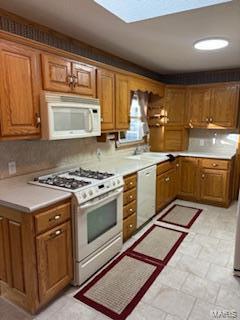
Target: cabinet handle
pixel 211 120
pixel 167 179
pixel 70 80
pixel 131 183
pixel 203 176
pixel 207 120
pixel 130 197
pixel 38 119
pixel 130 226
pixel 214 165
pixel 57 217
pixel 177 165
pixel 75 81
pixel 101 119
pixel 1 218
pixel 55 234
pixel 131 210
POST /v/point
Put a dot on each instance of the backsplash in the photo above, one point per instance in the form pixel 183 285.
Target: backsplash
pixel 32 156
pixel 203 140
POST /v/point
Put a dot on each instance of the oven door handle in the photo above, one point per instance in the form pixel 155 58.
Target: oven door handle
pixel 99 202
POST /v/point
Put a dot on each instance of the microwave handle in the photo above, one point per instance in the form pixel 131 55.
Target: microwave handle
pixel 90 120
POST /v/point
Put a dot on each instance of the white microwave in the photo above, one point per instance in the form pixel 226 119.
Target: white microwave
pixel 66 116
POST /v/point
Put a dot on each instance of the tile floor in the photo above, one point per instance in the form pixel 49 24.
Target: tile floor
pixel 196 282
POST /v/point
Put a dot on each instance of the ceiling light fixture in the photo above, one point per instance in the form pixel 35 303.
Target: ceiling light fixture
pixel 211 44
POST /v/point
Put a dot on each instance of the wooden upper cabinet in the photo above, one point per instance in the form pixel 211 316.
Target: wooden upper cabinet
pixel 188 177
pixel 122 102
pixel 224 105
pixel 65 75
pixel 214 185
pixel 106 94
pixel 54 255
pixel 84 79
pixel 56 73
pixel 20 84
pixel 199 106
pixel 175 105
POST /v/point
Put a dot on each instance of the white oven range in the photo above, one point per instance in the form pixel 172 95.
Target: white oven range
pixel 97 206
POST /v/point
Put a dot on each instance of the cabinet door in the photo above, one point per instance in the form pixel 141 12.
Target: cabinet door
pixel 122 102
pixel 175 104
pixel 188 184
pixel 224 106
pixel 199 106
pixel 3 263
pixel 56 73
pixel 19 90
pixel 163 190
pixel 84 79
pixel 214 185
pixel 54 254
pixel 106 94
pixel 172 184
pixel 129 226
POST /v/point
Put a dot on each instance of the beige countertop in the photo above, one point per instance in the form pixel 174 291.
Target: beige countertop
pixel 16 193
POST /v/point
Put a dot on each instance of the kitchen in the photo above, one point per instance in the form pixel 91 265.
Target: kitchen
pixel 118 182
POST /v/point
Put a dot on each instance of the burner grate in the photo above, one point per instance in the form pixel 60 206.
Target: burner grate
pixel 98 175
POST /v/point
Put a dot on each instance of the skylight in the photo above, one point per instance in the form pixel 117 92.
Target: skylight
pixel 137 10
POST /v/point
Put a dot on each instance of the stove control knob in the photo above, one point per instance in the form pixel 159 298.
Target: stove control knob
pixel 114 183
pixel 90 193
pixel 118 181
pixel 84 195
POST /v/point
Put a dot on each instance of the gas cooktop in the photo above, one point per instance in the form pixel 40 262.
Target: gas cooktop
pixel 83 183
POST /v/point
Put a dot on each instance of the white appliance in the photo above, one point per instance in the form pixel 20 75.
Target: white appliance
pixel 68 116
pixel 146 194
pixel 237 243
pixel 97 209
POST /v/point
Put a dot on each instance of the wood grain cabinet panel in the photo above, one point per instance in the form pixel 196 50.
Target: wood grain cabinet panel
pixel 214 185
pixel 199 106
pixel 54 257
pixel 106 94
pixel 3 264
pixel 122 102
pixel 56 73
pixel 84 79
pixel 189 176
pixel 19 90
pixel 175 105
pixel 224 106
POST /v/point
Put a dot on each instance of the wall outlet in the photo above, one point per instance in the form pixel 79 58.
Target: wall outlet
pixel 201 142
pixel 12 168
pixel 99 153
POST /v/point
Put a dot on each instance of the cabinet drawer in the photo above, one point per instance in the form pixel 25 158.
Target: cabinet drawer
pixel 130 182
pixel 165 166
pixel 215 164
pixel 129 226
pixel 129 196
pixel 129 209
pixel 52 217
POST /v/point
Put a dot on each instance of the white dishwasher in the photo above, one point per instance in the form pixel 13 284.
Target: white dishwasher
pixel 146 194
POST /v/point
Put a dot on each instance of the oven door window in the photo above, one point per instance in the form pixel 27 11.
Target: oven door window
pixel 101 220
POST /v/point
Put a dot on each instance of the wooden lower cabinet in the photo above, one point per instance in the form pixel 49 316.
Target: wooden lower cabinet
pixel 167 183
pixel 33 267
pixel 205 180
pixel 55 268
pixel 188 185
pixel 214 185
pixel 129 206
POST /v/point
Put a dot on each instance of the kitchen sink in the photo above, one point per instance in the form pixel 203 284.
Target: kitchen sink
pixel 148 155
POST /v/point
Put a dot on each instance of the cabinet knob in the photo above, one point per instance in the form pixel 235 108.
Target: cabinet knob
pixel 101 119
pixel 167 179
pixel 130 226
pixel 203 176
pixel 131 210
pixel 38 120
pixel 130 197
pixel 210 120
pixel 177 165
pixel 207 120
pixel 214 164
pixel 57 217
pixel 55 234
